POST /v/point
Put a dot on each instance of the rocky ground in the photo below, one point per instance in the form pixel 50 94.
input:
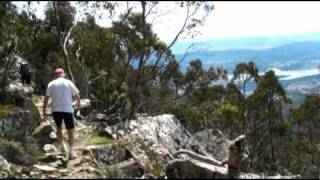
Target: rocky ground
pixel 144 147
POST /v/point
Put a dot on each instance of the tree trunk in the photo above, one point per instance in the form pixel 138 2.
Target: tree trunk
pixel 84 83
pixel 136 85
pixel 273 168
pixel 67 66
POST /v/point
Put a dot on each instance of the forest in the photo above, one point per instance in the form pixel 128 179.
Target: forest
pixel 126 68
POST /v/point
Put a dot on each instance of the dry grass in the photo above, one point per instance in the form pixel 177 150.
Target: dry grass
pixel 6 109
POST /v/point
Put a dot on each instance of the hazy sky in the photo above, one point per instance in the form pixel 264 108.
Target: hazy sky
pixel 233 19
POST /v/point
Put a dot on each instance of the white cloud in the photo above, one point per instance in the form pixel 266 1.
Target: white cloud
pixel 247 19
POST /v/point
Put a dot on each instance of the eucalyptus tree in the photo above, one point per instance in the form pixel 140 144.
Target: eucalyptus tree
pixel 243 74
pixel 269 97
pixel 305 121
pixel 97 57
pixel 172 75
pixel 151 53
pixel 60 16
pixel 8 44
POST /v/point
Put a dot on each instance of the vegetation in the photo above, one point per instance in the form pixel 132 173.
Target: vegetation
pixel 95 140
pixel 6 109
pixel 128 58
pixel 19 151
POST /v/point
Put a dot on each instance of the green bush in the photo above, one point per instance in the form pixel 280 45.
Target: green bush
pixel 191 118
pixel 19 152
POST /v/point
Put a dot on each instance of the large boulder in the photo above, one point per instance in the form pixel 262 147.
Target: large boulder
pixel 109 154
pixel 209 142
pixel 129 168
pixel 165 130
pixel 151 141
pixel 19 121
pixel 19 88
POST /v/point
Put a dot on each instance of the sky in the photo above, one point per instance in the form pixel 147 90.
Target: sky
pixel 239 19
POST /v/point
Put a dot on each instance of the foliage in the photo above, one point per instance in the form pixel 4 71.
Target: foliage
pixel 6 109
pixel 190 118
pixel 8 43
pixel 19 152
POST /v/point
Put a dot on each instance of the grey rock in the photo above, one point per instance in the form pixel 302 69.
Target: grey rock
pixel 189 168
pixel 151 141
pixel 256 176
pixel 209 142
pixel 109 154
pixel 18 88
pixel 45 168
pixel 129 168
pixel 22 120
pixel 56 164
pixel 49 148
pixel 4 164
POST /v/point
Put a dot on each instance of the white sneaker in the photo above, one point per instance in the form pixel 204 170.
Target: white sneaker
pixel 73 155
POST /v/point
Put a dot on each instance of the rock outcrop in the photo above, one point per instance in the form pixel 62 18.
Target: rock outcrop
pixel 19 120
pixel 153 142
pixel 209 142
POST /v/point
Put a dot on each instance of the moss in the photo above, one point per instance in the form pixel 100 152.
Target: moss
pixel 38 129
pixel 95 139
pixel 36 100
pixel 6 109
pixel 156 170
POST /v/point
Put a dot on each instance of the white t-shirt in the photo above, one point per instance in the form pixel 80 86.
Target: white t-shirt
pixel 61 91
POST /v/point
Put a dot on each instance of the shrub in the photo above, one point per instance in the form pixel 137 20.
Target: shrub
pixel 19 152
pixel 191 118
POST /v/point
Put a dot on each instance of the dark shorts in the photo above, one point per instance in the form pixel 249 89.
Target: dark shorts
pixel 233 173
pixel 67 117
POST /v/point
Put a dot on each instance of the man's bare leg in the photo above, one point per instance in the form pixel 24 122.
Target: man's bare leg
pixel 60 139
pixel 72 153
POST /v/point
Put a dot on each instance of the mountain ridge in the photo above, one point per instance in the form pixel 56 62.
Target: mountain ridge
pixel 288 57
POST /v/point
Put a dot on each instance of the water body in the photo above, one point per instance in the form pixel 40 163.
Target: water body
pixel 290 74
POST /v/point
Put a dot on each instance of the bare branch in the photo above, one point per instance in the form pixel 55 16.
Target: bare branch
pixel 150 10
pixel 207 159
pixel 186 53
pixel 78 55
pixel 78 51
pixel 97 77
pixel 162 14
pixel 181 29
pixel 67 38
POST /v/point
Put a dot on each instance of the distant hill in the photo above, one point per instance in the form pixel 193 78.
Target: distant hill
pixel 297 55
pixel 264 42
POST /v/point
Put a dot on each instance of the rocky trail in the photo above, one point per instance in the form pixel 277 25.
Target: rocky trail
pixel 145 147
pixel 55 164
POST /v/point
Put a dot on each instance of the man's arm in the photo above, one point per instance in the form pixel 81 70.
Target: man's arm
pixel 78 101
pixel 45 103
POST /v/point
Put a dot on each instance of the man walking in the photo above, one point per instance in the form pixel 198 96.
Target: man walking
pixel 62 91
